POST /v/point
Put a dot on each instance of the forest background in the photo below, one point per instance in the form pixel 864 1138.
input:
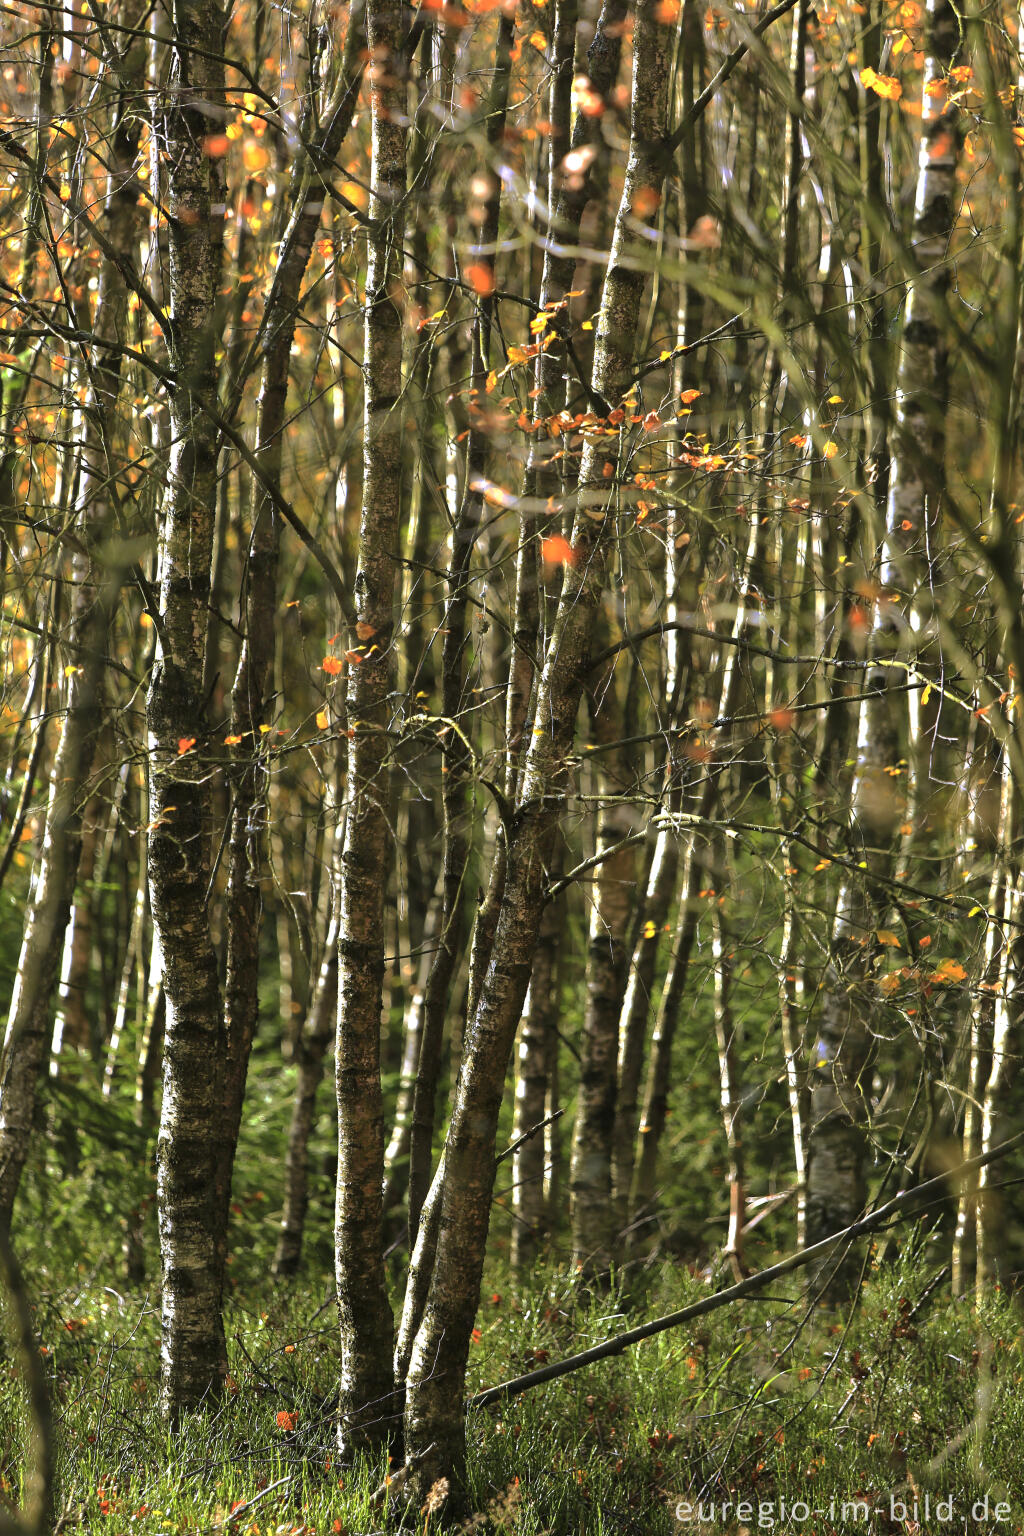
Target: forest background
pixel 510 540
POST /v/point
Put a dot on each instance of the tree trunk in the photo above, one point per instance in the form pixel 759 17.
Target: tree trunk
pixel 98 568
pixel 435 1415
pixel 253 684
pixel 364 1310
pixel 533 1086
pixel 836 1182
pixel 611 909
pixel 193 1356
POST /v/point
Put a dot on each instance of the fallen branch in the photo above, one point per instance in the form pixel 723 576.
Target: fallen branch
pixel 896 1208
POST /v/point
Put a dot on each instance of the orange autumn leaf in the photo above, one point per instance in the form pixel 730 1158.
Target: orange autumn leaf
pixel 365 631
pixel 287 1420
pixel 886 86
pixel 232 741
pixel 185 744
pixel 556 550
pixel 688 396
pixel 332 666
pixel 480 278
pixel 646 201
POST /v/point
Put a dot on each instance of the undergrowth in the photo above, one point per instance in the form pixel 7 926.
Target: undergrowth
pixel 910 1394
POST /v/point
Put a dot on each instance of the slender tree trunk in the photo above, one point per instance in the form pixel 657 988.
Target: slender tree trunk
pixel 316 1036
pixel 611 909
pixel 367 1327
pixel 435 1415
pixel 704 750
pixel 193 1356
pixel 836 1183
pixel 253 684
pixel 533 1087
pixel 98 568
pixel 455 781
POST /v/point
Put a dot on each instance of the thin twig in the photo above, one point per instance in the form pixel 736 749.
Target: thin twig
pixel 526 1136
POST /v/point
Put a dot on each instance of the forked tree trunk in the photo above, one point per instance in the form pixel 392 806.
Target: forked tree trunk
pixel 435 1413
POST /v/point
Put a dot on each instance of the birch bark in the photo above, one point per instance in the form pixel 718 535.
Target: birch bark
pixel 364 1310
pixel 435 1415
pixel 836 1185
pixel 98 569
pixel 193 1357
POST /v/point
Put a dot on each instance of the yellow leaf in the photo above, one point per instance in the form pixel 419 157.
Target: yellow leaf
pixel 649 929
pixel 950 970
pixel 830 449
pixel 886 936
pixel 255 157
pixel 886 86
pixel 517 355
pixel 321 719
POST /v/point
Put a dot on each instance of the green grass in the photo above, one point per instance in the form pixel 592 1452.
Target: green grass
pixel 914 1394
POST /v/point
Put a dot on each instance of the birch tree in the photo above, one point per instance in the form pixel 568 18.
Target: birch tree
pixel 367 1328
pixel 193 1356
pixel 435 1416
pixel 840 1086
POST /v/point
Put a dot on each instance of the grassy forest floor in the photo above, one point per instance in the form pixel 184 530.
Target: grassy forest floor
pixel 914 1394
